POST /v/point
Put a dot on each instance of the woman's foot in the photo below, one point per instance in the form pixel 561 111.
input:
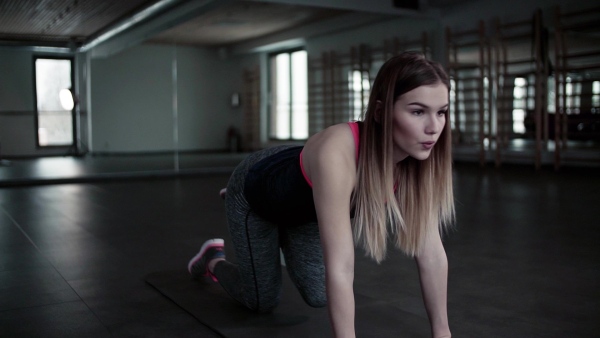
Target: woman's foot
pixel 205 260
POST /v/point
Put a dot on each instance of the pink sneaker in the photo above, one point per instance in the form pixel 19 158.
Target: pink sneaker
pixel 211 249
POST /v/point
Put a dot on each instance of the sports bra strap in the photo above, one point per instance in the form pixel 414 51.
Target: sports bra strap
pixel 356 134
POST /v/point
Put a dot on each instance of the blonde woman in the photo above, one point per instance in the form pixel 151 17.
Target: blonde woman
pixel 357 183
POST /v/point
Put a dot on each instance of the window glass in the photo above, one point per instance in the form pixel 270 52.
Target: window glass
pixel 288 118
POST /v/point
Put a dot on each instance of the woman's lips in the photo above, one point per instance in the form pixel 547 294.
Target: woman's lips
pixel 428 145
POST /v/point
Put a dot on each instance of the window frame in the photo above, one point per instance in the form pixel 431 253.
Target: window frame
pixel 71 59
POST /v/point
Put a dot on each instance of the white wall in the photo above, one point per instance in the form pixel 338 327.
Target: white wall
pixel 205 85
pixel 17 106
pixel 132 99
pixel 16 82
pixel 16 102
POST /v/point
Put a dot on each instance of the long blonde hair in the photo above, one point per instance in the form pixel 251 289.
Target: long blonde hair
pixel 424 196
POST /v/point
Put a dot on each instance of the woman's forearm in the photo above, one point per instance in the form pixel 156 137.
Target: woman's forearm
pixel 433 272
pixel 340 303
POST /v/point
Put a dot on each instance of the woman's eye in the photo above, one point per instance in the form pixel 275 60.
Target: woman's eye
pixel 417 112
pixel 442 112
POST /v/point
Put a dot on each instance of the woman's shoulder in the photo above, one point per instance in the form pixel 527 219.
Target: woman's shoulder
pixel 333 138
pixel 333 145
pixel 335 133
pixel 329 157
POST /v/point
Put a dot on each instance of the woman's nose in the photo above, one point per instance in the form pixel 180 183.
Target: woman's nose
pixel 434 125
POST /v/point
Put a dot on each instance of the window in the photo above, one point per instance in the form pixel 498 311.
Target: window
pixel 573 94
pixel 54 123
pixel 453 98
pixel 520 95
pixel 288 111
pixel 595 96
pixel 360 87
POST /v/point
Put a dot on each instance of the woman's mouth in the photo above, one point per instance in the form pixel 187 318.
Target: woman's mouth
pixel 428 145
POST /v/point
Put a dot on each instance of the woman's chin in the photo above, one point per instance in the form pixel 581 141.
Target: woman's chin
pixel 421 155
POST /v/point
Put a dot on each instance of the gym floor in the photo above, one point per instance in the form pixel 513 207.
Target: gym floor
pixel 74 250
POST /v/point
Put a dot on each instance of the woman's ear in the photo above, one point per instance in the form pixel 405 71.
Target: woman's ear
pixel 378 111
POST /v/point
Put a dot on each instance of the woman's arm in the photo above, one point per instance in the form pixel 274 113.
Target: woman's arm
pixel 338 254
pixel 433 271
pixel 332 170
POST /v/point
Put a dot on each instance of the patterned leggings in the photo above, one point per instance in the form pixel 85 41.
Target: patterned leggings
pixel 256 280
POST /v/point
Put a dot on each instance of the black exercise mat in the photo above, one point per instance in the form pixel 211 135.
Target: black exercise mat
pixel 211 305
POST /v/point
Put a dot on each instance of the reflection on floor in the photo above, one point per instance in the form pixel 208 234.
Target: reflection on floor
pixel 523 151
pixel 84 169
pixel 523 257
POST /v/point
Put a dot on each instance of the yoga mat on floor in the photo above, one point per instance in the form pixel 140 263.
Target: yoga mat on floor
pixel 211 305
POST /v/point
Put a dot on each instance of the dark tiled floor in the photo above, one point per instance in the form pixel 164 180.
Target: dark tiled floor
pixel 524 258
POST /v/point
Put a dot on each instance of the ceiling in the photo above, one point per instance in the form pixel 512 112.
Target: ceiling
pixel 58 22
pixel 243 20
pixel 75 23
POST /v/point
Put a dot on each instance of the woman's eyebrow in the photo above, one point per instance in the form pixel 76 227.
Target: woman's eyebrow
pixel 426 106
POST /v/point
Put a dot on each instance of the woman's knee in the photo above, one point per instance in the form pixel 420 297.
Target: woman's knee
pixel 314 297
pixel 317 300
pixel 265 305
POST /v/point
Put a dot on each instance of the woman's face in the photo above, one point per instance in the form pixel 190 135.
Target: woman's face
pixel 419 119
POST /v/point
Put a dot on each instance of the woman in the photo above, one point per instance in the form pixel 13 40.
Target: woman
pixel 315 202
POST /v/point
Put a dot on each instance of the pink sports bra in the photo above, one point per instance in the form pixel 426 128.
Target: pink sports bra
pixel 355 133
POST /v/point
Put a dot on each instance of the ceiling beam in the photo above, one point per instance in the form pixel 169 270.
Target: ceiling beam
pixel 364 6
pixel 296 37
pixel 141 27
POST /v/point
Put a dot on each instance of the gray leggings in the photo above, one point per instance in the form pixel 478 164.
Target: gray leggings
pixel 256 280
